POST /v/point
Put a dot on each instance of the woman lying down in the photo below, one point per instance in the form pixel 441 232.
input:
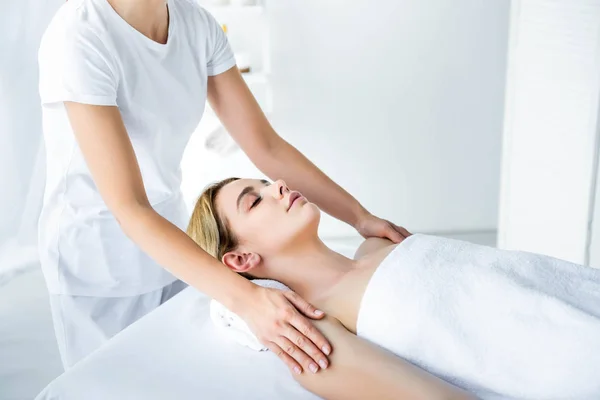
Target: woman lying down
pixel 451 316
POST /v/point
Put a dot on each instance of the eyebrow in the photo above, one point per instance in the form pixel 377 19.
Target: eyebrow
pixel 248 189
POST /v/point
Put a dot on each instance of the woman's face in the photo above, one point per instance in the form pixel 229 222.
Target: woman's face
pixel 266 217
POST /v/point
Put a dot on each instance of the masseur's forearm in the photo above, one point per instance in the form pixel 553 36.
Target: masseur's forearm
pixel 177 252
pixel 237 108
pixel 284 161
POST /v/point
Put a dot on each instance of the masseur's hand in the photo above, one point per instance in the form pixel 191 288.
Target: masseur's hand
pixel 275 317
pixel 371 226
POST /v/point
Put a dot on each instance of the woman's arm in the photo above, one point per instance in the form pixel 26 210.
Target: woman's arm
pixel 361 370
pixel 109 154
pixel 241 115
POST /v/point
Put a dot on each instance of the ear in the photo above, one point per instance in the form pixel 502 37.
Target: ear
pixel 241 262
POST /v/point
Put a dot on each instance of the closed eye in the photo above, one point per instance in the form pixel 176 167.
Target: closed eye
pixel 256 202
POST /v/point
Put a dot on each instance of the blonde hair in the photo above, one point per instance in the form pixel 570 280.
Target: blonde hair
pixel 208 229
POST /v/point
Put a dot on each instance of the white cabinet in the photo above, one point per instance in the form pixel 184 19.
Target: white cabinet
pixel 550 145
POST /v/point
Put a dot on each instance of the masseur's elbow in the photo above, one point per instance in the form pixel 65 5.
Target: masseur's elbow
pixel 267 152
pixel 130 215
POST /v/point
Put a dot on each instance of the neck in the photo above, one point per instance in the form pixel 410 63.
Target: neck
pixel 149 17
pixel 310 269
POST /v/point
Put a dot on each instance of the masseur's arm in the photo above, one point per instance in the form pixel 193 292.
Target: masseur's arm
pixel 243 118
pixel 271 314
pixel 360 370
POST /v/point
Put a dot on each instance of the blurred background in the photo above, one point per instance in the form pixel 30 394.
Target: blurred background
pixel 464 118
pixel 400 102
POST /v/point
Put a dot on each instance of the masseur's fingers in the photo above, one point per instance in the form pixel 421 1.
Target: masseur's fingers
pixel 303 306
pixel 393 234
pixel 305 338
pixel 272 314
pixel 402 231
pixel 372 226
pixel 299 356
pixel 285 357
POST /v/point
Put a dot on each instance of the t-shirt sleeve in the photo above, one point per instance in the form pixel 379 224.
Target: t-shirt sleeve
pixel 221 57
pixel 76 66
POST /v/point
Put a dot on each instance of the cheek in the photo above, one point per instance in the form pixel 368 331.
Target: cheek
pixel 261 227
pixel 267 230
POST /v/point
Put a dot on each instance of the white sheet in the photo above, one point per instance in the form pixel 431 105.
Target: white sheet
pixel 176 353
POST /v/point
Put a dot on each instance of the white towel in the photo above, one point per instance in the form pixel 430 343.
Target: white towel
pixel 500 324
pixel 233 326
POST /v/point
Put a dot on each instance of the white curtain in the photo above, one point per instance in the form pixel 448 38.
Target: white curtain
pixel 22 162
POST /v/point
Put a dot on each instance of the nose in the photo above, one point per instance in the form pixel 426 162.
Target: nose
pixel 277 189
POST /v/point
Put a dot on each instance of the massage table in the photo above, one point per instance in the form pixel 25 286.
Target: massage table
pixel 176 352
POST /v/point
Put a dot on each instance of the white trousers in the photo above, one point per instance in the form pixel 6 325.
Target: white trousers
pixel 83 324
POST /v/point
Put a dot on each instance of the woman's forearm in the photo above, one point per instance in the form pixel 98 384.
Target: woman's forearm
pixel 177 252
pixel 284 161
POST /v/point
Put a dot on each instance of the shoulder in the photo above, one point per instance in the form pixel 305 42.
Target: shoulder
pixel 191 9
pixel 372 245
pixel 196 19
pixel 79 26
pixel 77 18
pixel 76 21
pixel 189 5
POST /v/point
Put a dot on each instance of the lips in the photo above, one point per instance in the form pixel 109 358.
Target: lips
pixel 293 197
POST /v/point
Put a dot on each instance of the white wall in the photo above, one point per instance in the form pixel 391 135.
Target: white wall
pixel 593 250
pixel 551 128
pixel 400 101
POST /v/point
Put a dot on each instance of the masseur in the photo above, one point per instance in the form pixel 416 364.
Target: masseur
pixel 123 85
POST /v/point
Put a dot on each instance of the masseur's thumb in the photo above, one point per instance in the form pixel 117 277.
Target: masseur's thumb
pixel 303 306
pixel 393 234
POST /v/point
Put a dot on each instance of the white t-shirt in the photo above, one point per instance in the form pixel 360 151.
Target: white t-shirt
pixel 90 55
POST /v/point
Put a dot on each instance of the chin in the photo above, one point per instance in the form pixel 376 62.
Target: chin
pixel 312 215
pixel 302 226
pixel 312 212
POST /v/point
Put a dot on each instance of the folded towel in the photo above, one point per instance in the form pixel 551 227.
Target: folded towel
pixel 233 326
